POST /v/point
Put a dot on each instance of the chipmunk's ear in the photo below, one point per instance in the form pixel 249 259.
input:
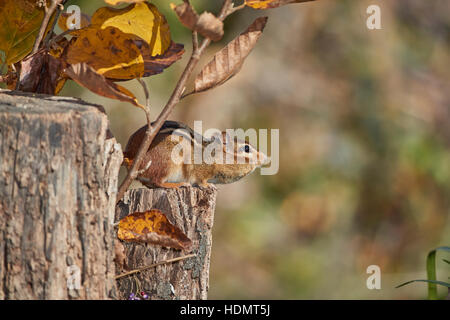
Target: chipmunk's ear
pixel 213 135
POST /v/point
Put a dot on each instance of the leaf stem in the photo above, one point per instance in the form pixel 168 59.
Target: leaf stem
pixel 154 265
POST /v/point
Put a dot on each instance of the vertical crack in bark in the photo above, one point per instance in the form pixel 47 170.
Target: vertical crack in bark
pixel 16 151
pixel 5 261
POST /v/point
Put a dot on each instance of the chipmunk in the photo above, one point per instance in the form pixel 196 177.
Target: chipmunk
pixel 159 169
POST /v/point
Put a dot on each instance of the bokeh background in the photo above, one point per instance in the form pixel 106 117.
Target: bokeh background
pixel 364 119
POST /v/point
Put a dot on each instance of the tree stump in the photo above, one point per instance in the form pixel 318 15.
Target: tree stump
pixel 58 185
pixel 192 210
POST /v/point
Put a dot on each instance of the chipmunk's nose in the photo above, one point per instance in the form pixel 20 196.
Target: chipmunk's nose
pixel 265 159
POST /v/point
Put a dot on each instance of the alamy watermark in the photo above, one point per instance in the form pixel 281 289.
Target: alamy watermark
pixel 373 22
pixel 374 280
pixel 232 146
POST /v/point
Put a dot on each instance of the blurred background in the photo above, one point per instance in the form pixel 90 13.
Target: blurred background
pixel 364 119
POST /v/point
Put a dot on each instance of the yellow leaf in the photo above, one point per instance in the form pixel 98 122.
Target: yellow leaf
pixel 115 2
pixel 269 4
pixel 20 22
pixel 140 19
pixel 109 51
pixel 152 227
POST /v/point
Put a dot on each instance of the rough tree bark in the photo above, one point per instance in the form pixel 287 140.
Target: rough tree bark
pixel 58 184
pixel 192 210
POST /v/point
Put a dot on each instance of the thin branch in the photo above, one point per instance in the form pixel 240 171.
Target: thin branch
pixel 60 8
pixel 48 14
pixel 147 100
pixel 234 9
pixel 154 265
pixel 194 40
pixel 2 66
pixel 179 89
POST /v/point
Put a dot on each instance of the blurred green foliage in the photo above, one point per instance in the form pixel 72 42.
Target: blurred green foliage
pixel 364 147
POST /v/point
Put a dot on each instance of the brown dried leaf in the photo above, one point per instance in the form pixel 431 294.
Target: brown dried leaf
pixel 186 14
pixel 207 24
pixel 41 73
pixel 228 61
pixel 152 227
pixel 86 76
pixel 269 4
pixel 157 64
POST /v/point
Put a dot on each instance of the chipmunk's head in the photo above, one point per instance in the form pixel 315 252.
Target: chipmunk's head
pixel 238 160
pixel 243 152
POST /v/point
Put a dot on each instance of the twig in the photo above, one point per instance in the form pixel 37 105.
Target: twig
pixel 234 9
pixel 147 101
pixel 194 40
pixel 48 14
pixel 151 131
pixel 55 20
pixel 154 265
pixel 2 66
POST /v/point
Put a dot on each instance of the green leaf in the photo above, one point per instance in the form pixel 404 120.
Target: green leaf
pixel 434 282
pixel 431 272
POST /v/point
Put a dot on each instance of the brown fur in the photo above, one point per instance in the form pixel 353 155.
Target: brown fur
pixel 162 167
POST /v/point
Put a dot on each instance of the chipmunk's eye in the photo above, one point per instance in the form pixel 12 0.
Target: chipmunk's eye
pixel 245 149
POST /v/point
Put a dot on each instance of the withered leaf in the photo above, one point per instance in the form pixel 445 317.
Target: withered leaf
pixel 109 51
pixel 228 61
pixel 152 227
pixel 87 77
pixel 157 64
pixel 269 4
pixel 21 21
pixel 186 14
pixel 41 73
pixel 207 24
